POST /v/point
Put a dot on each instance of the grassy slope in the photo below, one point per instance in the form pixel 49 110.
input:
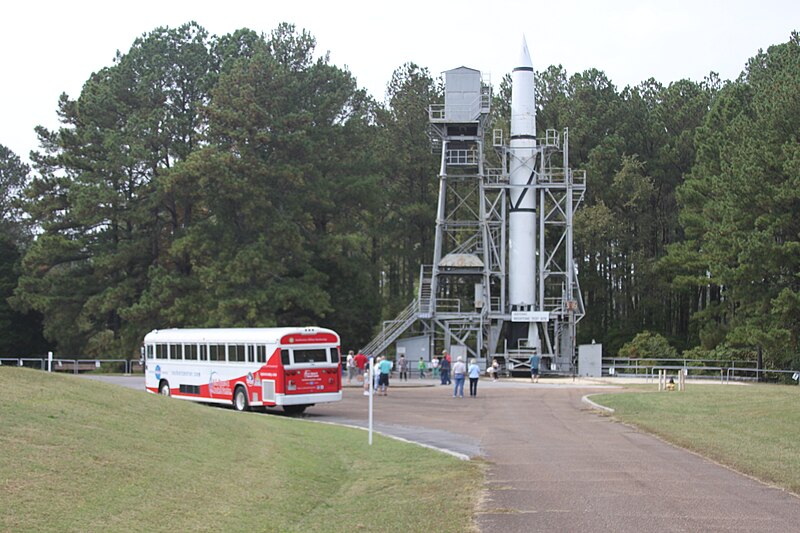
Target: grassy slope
pixel 754 429
pixel 78 455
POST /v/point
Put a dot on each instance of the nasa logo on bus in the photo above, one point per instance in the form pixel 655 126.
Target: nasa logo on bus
pixel 158 371
pixel 250 379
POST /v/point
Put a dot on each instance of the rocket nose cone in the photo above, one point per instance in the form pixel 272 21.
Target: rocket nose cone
pixel 524 55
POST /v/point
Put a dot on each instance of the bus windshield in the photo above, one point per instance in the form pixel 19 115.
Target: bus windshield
pixel 317 355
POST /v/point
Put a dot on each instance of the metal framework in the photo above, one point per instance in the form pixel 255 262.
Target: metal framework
pixel 463 295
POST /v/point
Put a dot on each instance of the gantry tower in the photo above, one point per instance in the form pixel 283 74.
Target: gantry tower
pixel 462 302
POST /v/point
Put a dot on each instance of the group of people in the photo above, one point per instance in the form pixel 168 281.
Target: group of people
pixel 357 366
pixel 460 372
pixel 437 369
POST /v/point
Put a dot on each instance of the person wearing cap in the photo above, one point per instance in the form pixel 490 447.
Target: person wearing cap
pixel 459 372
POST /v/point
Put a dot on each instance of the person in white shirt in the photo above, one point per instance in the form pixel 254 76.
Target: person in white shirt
pixel 351 367
pixel 459 373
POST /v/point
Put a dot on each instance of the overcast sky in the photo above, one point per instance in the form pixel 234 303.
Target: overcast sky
pixel 50 47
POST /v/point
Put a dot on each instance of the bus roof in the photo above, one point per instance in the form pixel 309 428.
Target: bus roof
pixel 231 335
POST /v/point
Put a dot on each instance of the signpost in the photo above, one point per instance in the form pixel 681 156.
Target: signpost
pixel 371 374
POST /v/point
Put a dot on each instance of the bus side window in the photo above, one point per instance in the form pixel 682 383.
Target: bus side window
pixel 262 353
pixel 334 355
pixel 176 351
pixel 216 352
pixel 149 350
pixel 161 351
pixel 190 352
pixel 204 352
pixel 285 357
pixel 251 353
pixel 236 353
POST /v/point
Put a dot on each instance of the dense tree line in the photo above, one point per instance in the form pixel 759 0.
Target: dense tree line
pixel 20 332
pixel 237 180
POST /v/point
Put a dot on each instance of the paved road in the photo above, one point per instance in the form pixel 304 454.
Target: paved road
pixel 555 465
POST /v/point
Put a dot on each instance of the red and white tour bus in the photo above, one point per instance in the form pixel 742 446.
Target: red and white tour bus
pixel 245 367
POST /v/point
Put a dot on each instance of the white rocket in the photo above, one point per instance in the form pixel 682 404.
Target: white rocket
pixel 522 211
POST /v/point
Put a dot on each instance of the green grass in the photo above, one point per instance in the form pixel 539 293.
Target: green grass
pixel 78 455
pixel 753 429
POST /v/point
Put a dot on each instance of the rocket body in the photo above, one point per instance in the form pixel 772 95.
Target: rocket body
pixel 522 211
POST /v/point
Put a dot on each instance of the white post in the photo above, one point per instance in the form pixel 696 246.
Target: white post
pixel 49 361
pixel 371 371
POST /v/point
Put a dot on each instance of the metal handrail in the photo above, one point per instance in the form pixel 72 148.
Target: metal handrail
pixel 394 329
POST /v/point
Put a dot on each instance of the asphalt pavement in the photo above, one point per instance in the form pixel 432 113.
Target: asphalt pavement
pixel 554 464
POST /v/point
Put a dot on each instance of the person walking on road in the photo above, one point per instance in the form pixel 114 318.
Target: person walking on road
pixel 444 369
pixel 474 372
pixel 376 378
pixel 459 372
pixel 351 367
pixel 361 363
pixel 421 367
pixel 402 367
pixel 495 369
pixel 534 362
pixel 384 368
pixel 435 367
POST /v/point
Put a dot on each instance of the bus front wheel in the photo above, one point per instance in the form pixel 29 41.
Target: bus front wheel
pixel 240 399
pixel 163 389
pixel 294 409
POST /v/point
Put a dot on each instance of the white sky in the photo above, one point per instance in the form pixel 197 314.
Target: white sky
pixel 49 47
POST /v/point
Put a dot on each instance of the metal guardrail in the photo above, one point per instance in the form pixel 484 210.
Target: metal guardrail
pixel 645 364
pixel 727 373
pixel 760 373
pixel 74 365
pixel 392 329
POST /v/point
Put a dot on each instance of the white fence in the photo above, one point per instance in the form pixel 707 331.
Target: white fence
pixel 723 370
pixel 76 365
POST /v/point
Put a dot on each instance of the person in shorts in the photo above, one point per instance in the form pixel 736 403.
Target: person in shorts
pixel 385 368
pixel 534 362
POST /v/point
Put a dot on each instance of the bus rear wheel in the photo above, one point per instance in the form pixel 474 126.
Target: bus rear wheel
pixel 163 388
pixel 240 399
pixel 294 409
